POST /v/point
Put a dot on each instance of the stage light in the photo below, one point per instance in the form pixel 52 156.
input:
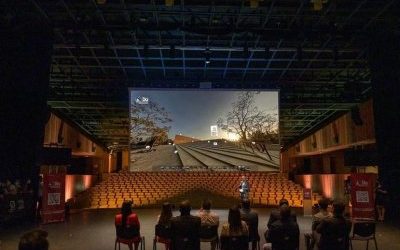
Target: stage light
pixel 207 55
pixel 169 3
pixel 101 1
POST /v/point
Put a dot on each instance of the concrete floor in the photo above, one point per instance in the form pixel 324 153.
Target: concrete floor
pixel 95 230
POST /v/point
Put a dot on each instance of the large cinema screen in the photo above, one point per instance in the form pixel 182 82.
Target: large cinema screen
pixel 220 130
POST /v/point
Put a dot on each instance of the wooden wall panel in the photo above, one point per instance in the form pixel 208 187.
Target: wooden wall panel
pixel 333 139
pixel 79 144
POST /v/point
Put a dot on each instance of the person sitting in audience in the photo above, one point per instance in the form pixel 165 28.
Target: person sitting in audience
pixel 34 240
pixel 275 213
pixel 284 232
pixel 185 229
pixel 234 227
pixel 334 230
pixel 163 227
pixel 18 185
pixel 251 219
pixel 166 214
pixel 208 218
pixel 28 186
pixel 127 223
pixel 317 218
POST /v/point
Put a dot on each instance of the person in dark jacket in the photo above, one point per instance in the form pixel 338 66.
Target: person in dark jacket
pixel 251 218
pixel 284 233
pixel 185 229
pixel 334 230
pixel 275 214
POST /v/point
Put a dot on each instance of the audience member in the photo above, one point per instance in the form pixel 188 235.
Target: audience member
pixel 166 214
pixel 208 218
pixel 334 230
pixel 275 213
pixel 317 218
pixel 34 240
pixel 18 185
pixel 185 229
pixel 234 227
pixel 284 232
pixel 28 188
pixel 127 223
pixel 163 227
pixel 11 188
pixel 251 219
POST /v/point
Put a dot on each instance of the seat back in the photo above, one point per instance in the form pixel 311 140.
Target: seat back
pixel 364 228
pixel 208 231
pixel 184 243
pixel 253 230
pixel 163 231
pixel 286 241
pixel 234 242
pixel 127 232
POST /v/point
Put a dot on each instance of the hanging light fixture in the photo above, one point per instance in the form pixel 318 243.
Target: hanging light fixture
pixel 207 55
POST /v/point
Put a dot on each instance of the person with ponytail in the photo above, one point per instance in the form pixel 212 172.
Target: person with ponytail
pixel 127 223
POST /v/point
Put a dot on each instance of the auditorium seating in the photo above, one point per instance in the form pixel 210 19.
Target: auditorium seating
pixel 148 189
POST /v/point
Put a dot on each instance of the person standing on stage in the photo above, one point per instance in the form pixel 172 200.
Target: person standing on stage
pixel 244 188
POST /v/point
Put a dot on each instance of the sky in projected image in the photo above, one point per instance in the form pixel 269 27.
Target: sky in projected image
pixel 193 112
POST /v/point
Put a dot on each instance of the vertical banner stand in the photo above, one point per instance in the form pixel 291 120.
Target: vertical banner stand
pixel 307 202
pixel 53 203
pixel 362 195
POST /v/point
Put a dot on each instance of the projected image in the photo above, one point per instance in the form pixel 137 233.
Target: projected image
pixel 204 130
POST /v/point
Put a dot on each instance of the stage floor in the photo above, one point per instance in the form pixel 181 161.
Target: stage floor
pixel 95 230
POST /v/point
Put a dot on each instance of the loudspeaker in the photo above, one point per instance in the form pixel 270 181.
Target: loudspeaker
pixel 356 117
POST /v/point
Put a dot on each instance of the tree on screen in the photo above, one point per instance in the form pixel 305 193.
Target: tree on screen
pixel 246 120
pixel 149 122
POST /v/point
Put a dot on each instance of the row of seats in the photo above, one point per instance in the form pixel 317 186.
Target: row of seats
pixel 152 188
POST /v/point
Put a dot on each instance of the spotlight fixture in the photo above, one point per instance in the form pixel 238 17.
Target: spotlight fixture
pixel 169 3
pixel 207 55
pixel 172 51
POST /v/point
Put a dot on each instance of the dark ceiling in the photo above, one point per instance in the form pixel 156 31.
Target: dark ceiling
pixel 316 58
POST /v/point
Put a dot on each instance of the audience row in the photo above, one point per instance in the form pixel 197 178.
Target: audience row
pixel 186 231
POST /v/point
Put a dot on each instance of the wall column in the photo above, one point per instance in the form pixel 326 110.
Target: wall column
pixel 384 60
pixel 25 57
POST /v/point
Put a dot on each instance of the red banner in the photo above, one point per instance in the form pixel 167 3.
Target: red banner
pixel 307 195
pixel 362 195
pixel 53 198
